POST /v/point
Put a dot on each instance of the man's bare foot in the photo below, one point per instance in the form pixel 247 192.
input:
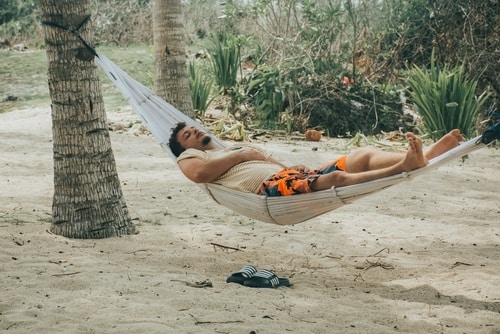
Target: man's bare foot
pixel 451 140
pixel 415 156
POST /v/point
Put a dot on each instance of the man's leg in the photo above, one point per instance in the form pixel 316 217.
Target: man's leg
pixel 370 158
pixel 446 143
pixel 414 158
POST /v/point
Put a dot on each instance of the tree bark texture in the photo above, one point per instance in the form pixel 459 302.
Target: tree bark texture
pixel 88 201
pixel 171 77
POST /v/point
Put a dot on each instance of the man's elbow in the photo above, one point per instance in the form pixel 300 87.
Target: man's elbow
pixel 199 177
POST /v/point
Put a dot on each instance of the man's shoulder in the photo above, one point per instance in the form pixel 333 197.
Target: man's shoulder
pixel 192 153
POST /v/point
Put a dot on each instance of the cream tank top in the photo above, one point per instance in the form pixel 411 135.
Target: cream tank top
pixel 246 176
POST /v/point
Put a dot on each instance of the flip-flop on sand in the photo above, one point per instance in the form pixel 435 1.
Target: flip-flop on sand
pixel 240 276
pixel 266 279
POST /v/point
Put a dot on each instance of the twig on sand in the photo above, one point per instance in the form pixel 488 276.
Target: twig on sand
pixel 197 322
pixel 225 247
pixel 201 284
pixel 370 264
pixel 67 274
pixel 456 264
pixel 380 251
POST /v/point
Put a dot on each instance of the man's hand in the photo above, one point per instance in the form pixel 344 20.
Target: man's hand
pixel 250 154
pixel 300 168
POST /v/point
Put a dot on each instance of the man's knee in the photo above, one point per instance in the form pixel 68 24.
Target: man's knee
pixel 359 160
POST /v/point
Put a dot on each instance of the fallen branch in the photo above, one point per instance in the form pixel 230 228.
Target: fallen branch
pixel 456 264
pixel 67 274
pixel 225 247
pixel 217 322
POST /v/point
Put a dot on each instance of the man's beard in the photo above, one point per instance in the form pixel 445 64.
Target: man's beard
pixel 206 140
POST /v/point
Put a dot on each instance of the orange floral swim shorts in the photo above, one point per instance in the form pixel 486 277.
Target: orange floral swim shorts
pixel 292 182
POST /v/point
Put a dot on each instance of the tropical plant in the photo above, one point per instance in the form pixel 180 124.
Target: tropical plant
pixel 267 92
pixel 445 98
pixel 224 51
pixel 18 20
pixel 200 86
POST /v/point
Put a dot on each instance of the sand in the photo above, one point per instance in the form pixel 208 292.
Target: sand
pixel 420 257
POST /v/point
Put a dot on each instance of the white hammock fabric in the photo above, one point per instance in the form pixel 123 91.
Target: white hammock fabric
pixel 160 117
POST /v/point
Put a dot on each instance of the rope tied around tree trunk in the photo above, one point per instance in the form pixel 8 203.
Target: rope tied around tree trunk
pixel 89 52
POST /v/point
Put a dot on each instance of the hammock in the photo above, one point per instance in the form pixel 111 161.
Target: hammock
pixel 160 117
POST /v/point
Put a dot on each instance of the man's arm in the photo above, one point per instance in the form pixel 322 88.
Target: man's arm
pixel 276 162
pixel 200 171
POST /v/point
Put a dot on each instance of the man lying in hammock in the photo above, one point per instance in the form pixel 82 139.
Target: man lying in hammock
pixel 251 169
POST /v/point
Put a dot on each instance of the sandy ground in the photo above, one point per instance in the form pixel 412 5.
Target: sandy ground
pixel 420 257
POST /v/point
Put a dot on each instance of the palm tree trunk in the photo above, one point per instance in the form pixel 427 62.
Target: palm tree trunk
pixel 171 79
pixel 88 200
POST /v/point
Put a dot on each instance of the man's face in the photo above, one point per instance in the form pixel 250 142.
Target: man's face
pixel 192 137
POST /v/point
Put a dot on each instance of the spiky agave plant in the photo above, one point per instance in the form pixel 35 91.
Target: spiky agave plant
pixel 200 86
pixel 445 98
pixel 224 52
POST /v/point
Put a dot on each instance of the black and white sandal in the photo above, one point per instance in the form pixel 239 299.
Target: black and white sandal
pixel 266 279
pixel 245 273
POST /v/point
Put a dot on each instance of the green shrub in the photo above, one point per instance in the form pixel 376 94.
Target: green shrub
pixel 18 20
pixel 446 99
pixel 200 86
pixel 267 92
pixel 224 51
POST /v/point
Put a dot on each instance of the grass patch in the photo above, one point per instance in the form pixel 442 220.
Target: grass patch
pixel 24 76
pixel 24 79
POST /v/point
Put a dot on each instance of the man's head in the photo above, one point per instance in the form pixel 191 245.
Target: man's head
pixel 184 137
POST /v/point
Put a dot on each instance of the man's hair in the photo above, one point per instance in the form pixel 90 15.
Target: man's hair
pixel 173 143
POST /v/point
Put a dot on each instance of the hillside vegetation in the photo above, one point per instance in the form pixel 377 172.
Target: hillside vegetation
pixel 339 66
